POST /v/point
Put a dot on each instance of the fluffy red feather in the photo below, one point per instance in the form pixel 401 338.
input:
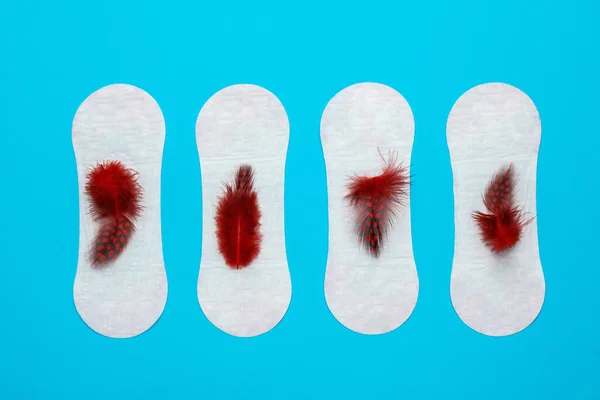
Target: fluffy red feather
pixel 238 220
pixel 502 226
pixel 115 196
pixel 374 202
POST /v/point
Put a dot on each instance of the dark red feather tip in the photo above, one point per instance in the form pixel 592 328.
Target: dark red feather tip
pixel 501 227
pixel 374 202
pixel 115 196
pixel 238 220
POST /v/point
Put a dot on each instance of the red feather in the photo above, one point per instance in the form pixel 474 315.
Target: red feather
pixel 238 220
pixel 502 226
pixel 374 203
pixel 115 205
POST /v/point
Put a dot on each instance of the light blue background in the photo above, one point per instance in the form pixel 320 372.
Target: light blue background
pixel 53 54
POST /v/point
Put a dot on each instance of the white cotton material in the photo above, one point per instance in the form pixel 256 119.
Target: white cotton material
pixel 244 124
pixel 491 126
pixel 121 123
pixel 367 295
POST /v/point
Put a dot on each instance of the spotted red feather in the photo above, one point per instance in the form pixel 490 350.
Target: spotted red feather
pixel 501 227
pixel 374 202
pixel 115 196
pixel 238 220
